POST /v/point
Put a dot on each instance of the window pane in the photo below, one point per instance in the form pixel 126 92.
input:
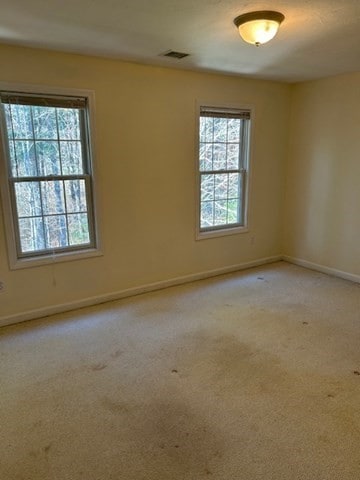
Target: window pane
pixel 78 229
pixel 75 196
pixel 234 179
pixel 233 130
pixel 206 129
pixel 8 119
pixel 233 211
pixel 219 156
pixel 202 128
pixel 13 163
pixel 206 151
pixel 207 187
pixel 53 197
pixel 221 186
pixel 21 121
pixel 220 212
pixel 56 231
pixel 28 200
pixel 71 158
pixel 233 156
pixel 31 234
pixel 207 214
pixel 48 158
pixel 44 119
pixel 220 129
pixel 25 165
pixel 69 123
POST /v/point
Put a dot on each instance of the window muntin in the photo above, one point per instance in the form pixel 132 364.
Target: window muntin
pixel 223 164
pixel 49 173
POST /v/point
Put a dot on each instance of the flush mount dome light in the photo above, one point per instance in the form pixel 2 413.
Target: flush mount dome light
pixel 258 27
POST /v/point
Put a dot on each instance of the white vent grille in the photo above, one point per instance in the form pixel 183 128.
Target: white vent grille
pixel 174 54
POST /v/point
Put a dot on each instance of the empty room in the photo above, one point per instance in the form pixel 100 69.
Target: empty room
pixel 179 240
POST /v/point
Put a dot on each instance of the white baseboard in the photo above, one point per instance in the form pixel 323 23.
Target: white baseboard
pixel 323 269
pixel 108 297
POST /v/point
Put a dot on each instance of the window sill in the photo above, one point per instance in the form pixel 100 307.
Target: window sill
pixel 221 232
pixel 51 259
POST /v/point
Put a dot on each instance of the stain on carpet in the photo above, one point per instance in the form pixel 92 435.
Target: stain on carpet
pixel 47 448
pixel 115 407
pixel 98 366
pixel 116 354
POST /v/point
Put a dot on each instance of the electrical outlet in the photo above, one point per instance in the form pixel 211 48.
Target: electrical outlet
pixel 2 286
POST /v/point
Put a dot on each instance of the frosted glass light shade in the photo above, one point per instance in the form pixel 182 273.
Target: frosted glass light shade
pixel 258 27
pixel 258 32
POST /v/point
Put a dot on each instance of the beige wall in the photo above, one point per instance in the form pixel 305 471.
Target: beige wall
pixel 145 150
pixel 322 220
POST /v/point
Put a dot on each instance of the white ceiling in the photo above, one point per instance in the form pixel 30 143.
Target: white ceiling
pixel 318 38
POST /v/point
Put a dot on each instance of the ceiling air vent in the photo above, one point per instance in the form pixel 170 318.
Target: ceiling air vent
pixel 173 54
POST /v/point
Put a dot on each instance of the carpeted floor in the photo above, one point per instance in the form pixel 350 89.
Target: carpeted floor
pixel 253 375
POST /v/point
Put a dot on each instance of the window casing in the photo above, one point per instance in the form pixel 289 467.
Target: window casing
pixel 223 170
pixel 47 177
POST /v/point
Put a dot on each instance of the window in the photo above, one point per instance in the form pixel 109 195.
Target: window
pixel 48 173
pixel 223 167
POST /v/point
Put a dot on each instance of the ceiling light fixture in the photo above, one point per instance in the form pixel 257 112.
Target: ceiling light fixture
pixel 258 27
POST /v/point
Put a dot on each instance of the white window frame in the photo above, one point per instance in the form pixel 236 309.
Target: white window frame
pixel 220 231
pixel 8 204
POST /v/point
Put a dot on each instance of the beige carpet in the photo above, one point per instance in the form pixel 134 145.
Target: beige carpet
pixel 253 375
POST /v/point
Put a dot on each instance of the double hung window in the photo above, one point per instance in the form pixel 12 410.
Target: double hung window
pixel 48 170
pixel 223 169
